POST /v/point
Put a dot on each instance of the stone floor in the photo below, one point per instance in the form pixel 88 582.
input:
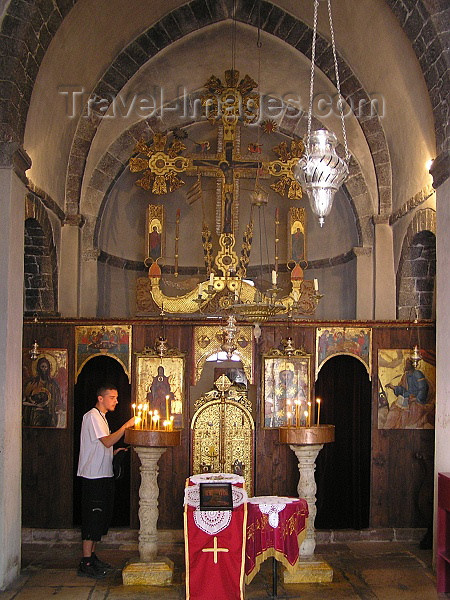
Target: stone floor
pixel 365 570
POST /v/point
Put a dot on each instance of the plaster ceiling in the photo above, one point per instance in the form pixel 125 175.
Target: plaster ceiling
pixel 367 36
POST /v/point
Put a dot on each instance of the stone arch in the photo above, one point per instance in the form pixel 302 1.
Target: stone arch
pixel 28 28
pixel 417 267
pixel 183 21
pixel 40 261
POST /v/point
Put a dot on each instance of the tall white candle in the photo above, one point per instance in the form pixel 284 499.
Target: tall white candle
pixel 211 278
pixel 316 285
pixel 274 277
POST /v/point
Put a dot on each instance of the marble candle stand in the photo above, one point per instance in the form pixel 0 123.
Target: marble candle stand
pixel 306 443
pixel 151 569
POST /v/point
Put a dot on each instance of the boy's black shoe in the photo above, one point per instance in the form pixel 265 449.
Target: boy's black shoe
pixel 101 564
pixel 89 569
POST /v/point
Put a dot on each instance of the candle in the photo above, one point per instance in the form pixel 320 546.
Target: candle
pixel 150 415
pixel 309 414
pixel 318 400
pixel 146 415
pixel 306 418
pixel 316 285
pixel 137 420
pixel 211 278
pixel 289 419
pixel 133 406
pixel 274 277
pixel 155 421
pixel 171 423
pixel 297 413
pixel 167 408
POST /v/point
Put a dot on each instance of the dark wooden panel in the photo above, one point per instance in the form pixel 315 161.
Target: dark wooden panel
pixel 401 459
pixel 400 466
pixel 47 454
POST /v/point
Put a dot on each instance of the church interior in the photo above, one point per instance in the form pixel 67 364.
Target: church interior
pixel 180 243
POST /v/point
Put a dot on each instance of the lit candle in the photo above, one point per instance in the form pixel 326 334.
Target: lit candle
pixel 133 406
pixel 316 285
pixel 289 419
pixel 306 418
pixel 297 413
pixel 309 414
pixel 137 420
pixel 211 278
pixel 140 419
pixel 274 277
pixel 318 400
pixel 167 408
pixel 146 415
pixel 150 415
pixel 155 420
pixel 171 423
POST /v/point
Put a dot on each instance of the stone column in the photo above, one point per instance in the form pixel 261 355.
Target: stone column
pixel 151 570
pixel 441 182
pixel 364 283
pixel 148 502
pixel 385 282
pixel 89 283
pixel 13 164
pixel 310 568
pixel 306 488
pixel 69 269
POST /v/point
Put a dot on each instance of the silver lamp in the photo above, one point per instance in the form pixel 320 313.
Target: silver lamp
pixel 321 171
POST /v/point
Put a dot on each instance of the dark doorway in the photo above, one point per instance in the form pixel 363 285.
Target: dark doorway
pixel 343 467
pixel 96 372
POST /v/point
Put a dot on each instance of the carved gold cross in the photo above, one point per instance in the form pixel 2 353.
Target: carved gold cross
pixel 215 549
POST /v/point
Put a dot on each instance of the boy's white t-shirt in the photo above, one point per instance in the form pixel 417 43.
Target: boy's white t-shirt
pixel 95 458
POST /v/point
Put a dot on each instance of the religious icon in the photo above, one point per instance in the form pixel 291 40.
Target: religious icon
pixel 352 341
pixel 286 384
pixel 101 340
pixel 44 391
pixel 155 224
pixel 296 235
pixel 406 394
pixel 160 384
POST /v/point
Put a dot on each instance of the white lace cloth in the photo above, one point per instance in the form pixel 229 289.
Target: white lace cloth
pixel 272 506
pixel 213 521
pixel 217 478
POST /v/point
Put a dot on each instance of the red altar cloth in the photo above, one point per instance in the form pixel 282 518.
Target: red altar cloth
pixel 215 543
pixel 276 527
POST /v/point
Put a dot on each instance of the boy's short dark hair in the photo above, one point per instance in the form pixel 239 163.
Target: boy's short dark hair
pixel 104 388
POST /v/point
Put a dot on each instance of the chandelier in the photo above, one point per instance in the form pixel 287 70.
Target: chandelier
pixel 321 171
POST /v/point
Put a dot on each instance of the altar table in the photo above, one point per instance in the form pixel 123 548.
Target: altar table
pixel 276 526
pixel 215 542
pixel 225 549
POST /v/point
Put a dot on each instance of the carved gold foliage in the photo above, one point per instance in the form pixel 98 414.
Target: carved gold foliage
pixel 161 167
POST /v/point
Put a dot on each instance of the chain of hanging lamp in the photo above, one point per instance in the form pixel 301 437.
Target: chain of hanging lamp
pixel 321 171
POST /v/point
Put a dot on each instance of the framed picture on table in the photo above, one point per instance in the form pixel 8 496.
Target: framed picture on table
pixel 159 383
pixel 286 388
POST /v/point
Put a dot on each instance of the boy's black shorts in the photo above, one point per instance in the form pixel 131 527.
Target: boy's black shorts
pixel 97 502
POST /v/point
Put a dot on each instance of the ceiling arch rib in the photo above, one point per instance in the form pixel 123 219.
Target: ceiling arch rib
pixel 27 30
pixel 277 22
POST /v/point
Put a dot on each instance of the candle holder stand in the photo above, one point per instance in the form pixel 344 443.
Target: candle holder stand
pixel 306 443
pixel 151 569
